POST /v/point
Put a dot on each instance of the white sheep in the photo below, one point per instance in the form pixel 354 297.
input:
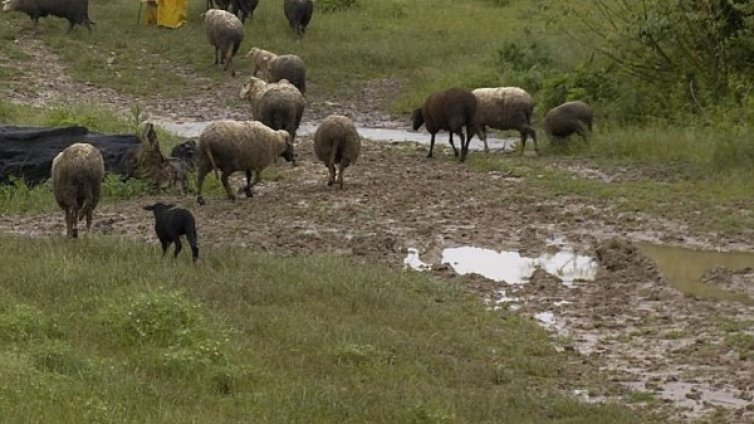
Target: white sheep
pixel 77 174
pixel 239 146
pixel 505 108
pixel 225 33
pixel 274 67
pixel 279 105
pixel 336 141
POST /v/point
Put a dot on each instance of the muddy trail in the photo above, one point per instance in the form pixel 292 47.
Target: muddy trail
pixel 624 316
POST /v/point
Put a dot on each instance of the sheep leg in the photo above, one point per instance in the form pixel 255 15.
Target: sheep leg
pixel 70 218
pixel 178 247
pixel 582 132
pixel 201 173
pixel 224 179
pixel 331 174
pixel 341 168
pixel 465 144
pixel 70 26
pixel 247 188
pixel 533 136
pixel 217 56
pixel 164 243
pixel 523 143
pixel 455 151
pixel 483 136
pixel 431 146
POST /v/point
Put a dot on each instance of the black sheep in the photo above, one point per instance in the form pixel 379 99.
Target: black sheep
pixel 170 224
pixel 448 110
pixel 298 13
pixel 75 11
pixel 186 152
pixel 241 8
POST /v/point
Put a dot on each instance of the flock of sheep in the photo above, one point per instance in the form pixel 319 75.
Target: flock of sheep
pixel 277 102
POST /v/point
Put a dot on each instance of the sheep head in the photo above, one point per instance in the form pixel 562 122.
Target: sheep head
pixel 417 118
pixel 288 154
pixel 9 5
pixel 251 89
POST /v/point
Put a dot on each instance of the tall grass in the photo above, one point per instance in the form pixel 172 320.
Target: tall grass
pixel 102 330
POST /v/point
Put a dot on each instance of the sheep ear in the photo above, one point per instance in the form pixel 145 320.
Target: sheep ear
pixel 244 91
pixel 149 208
pixel 169 205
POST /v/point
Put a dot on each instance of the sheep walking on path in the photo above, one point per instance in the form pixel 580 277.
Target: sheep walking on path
pixel 170 223
pixel 450 110
pixel 225 33
pixel 336 141
pixel 77 174
pixel 231 146
pixel 505 108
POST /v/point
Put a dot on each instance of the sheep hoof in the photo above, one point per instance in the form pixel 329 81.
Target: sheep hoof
pixel 247 191
pixel 200 200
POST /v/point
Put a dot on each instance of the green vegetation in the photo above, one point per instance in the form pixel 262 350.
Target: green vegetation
pixel 104 330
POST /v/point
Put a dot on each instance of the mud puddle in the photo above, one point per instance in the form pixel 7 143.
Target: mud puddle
pixel 193 129
pixel 701 273
pixel 510 266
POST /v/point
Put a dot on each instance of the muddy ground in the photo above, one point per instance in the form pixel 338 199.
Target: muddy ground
pixel 630 322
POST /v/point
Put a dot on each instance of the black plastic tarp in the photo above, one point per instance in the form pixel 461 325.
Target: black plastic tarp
pixel 27 152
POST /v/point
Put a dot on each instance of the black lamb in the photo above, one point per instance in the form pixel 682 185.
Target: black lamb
pixel 170 224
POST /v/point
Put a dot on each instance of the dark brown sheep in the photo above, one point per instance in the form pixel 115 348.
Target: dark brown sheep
pixel 75 11
pixel 225 32
pixel 298 13
pixel 242 8
pixel 448 110
pixel 568 118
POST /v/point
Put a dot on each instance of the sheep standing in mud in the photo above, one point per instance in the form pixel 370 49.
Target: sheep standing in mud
pixel 239 146
pixel 225 33
pixel 279 67
pixel 278 105
pixel 170 223
pixel 336 141
pixel 505 108
pixel 77 174
pixel 448 110
pixel 568 118
pixel 75 11
pixel 299 14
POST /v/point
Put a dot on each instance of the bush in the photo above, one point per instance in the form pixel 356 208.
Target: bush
pixel 160 318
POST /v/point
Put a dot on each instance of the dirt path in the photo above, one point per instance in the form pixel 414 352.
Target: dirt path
pixel 629 321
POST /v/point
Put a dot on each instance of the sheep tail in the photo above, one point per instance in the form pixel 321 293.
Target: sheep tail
pixel 208 152
pixel 334 151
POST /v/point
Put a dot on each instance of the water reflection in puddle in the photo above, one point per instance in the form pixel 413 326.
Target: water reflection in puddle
pixel 193 129
pixel 684 269
pixel 513 268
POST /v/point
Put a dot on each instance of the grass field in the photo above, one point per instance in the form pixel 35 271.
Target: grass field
pixel 103 330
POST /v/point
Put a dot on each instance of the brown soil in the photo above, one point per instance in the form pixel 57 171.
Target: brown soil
pixel 629 322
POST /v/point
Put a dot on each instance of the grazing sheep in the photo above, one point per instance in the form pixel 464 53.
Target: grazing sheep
pixel 225 32
pixel 278 105
pixel 568 118
pixel 448 110
pixel 170 223
pixel 77 174
pixel 298 13
pixel 505 108
pixel 337 141
pixel 279 67
pixel 75 11
pixel 239 146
